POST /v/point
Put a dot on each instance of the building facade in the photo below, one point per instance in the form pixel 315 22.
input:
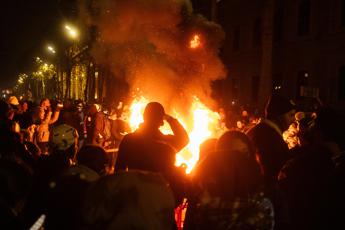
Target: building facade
pixel 295 47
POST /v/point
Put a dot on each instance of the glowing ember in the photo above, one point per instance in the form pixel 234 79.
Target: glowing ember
pixel 204 125
pixel 195 42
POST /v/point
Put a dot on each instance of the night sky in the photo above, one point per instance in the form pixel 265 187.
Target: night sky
pixel 26 28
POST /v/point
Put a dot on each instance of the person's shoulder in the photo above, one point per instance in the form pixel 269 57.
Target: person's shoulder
pixel 130 140
pixel 258 129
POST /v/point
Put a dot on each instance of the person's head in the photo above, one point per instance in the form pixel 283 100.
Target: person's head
pixel 280 110
pixel 80 106
pixel 25 106
pixel 154 114
pixel 13 102
pixel 232 170
pixel 229 173
pixel 235 141
pixel 45 103
pixel 64 138
pixel 95 158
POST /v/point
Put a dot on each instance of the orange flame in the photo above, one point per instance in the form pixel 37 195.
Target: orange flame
pixel 204 125
pixel 195 42
pixel 136 112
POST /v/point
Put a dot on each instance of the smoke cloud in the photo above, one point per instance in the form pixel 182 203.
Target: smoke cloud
pixel 147 43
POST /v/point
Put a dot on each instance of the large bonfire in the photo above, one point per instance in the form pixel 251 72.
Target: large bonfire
pixel 167 52
pixel 204 124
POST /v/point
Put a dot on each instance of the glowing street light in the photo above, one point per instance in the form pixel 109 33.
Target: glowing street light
pixel 51 49
pixel 71 31
pixel 20 80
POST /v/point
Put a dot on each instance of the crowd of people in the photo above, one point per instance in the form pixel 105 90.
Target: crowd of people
pixel 76 166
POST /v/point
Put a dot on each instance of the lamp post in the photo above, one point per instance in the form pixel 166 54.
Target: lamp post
pixel 55 66
pixel 73 34
pixel 71 31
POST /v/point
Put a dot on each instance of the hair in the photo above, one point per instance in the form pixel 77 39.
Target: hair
pixel 43 100
pixel 154 113
pixel 94 157
pixel 230 173
pixel 225 142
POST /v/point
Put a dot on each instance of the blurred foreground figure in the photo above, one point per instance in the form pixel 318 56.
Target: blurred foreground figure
pixel 273 152
pixel 15 187
pixel 129 200
pixel 228 191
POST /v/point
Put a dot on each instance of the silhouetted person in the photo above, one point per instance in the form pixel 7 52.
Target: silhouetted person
pixel 95 126
pixel 150 150
pixel 272 150
pixel 47 118
pixel 228 189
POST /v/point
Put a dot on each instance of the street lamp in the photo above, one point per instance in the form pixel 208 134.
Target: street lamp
pixel 51 49
pixel 71 31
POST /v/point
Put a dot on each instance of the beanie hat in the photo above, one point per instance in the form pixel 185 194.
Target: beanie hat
pixel 278 105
